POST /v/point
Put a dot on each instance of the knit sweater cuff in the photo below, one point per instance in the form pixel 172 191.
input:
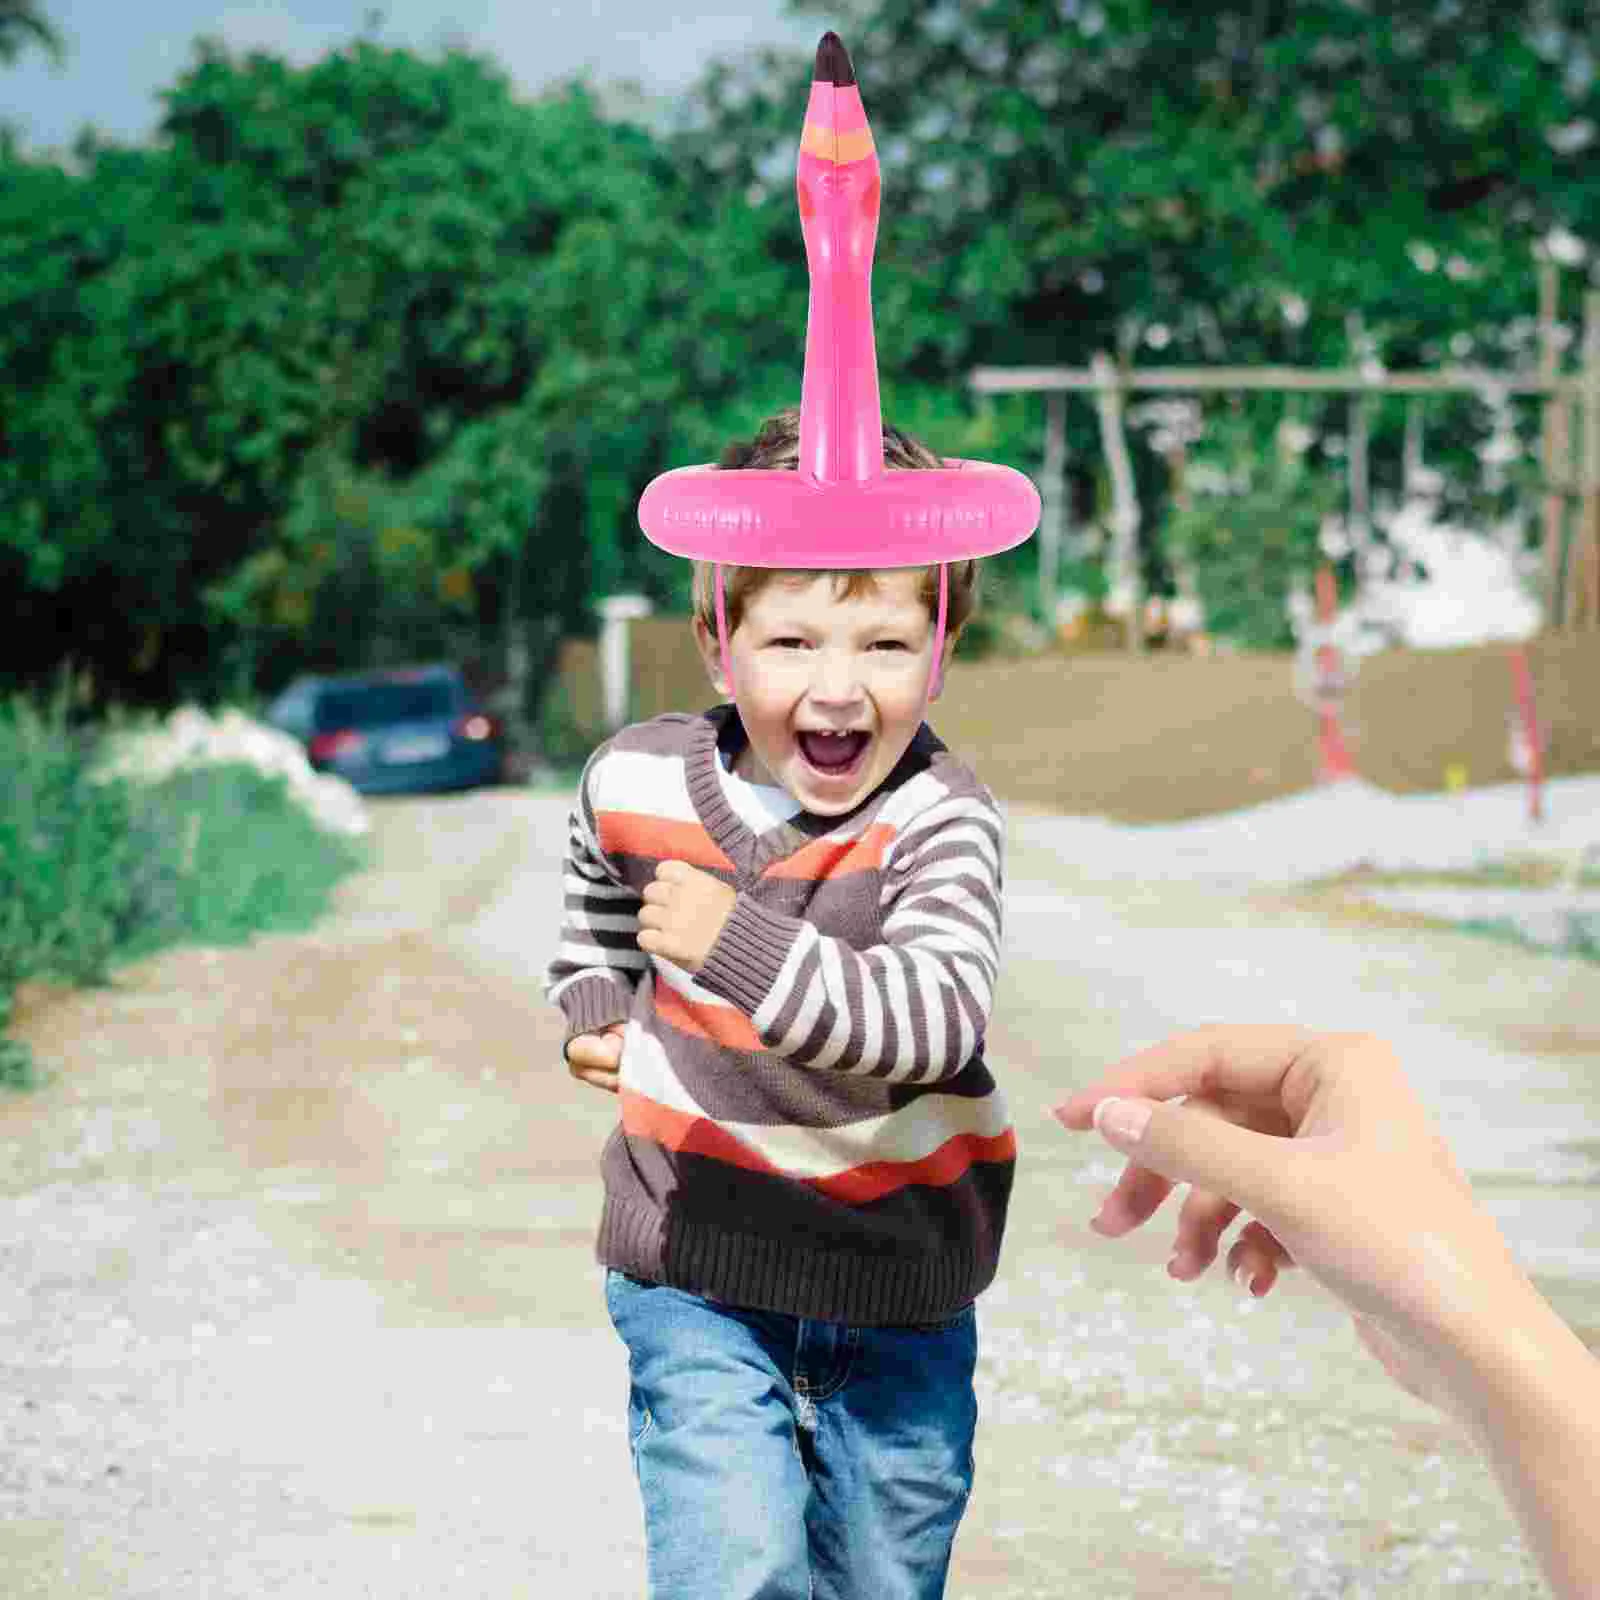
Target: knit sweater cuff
pixel 749 954
pixel 595 1001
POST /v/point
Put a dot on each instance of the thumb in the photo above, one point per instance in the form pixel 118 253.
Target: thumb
pixel 1186 1146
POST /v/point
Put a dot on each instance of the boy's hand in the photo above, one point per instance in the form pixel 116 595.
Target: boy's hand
pixel 683 913
pixel 596 1058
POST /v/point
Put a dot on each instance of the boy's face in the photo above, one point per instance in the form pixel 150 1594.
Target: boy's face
pixel 830 691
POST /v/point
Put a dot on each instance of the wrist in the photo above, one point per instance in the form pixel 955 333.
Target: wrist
pixel 595 1002
pixel 1515 1363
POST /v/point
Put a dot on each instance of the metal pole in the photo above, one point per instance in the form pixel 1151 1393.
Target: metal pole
pixel 616 671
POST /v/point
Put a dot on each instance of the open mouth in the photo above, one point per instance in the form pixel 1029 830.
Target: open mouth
pixel 835 754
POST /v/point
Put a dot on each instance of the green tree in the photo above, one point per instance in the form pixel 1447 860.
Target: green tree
pixel 23 24
pixel 381 267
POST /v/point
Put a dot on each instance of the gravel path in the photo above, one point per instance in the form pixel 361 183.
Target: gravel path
pixel 298 1298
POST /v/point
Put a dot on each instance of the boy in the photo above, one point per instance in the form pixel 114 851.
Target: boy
pixel 781 941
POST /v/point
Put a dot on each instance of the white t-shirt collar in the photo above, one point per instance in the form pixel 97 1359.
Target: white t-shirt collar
pixel 759 806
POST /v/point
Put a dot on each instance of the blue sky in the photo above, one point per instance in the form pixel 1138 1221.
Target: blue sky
pixel 122 53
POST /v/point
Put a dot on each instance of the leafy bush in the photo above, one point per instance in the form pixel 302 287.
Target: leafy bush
pixel 65 900
pixel 564 740
pixel 93 873
pixel 1249 527
pixel 1004 596
pixel 219 853
pixel 17 1070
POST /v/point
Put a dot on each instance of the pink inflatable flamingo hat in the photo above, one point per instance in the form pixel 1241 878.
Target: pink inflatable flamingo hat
pixel 842 509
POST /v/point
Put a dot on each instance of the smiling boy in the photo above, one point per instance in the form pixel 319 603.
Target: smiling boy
pixel 780 945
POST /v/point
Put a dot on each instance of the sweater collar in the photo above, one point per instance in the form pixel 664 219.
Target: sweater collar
pixel 720 731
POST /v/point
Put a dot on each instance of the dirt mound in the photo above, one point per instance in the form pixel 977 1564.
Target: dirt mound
pixel 1160 737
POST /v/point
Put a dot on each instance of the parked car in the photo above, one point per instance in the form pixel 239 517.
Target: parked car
pixel 404 731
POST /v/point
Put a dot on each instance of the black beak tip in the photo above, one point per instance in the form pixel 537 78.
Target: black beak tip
pixel 833 62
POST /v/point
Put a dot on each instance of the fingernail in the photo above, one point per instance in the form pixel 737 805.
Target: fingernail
pixel 1125 1119
pixel 1243 1276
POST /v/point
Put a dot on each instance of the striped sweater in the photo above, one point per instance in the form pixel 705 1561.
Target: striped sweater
pixel 807 1123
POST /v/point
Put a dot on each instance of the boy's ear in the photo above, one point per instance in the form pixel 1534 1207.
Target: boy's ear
pixel 706 641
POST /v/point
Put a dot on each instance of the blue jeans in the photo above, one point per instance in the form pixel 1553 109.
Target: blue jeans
pixel 788 1459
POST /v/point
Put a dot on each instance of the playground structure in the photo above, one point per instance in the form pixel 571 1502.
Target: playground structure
pixel 1325 667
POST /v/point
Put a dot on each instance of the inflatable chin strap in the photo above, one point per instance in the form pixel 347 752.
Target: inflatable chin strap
pixel 842 509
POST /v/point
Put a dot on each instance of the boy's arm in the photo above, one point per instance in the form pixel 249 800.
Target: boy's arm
pixel 912 1009
pixel 598 962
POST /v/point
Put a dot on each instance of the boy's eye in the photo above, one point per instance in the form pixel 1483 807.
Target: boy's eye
pixel 890 644
pixel 788 642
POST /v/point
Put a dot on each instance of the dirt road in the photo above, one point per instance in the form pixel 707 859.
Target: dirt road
pixel 298 1297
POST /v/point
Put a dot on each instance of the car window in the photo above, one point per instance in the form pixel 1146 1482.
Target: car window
pixel 376 705
pixel 292 709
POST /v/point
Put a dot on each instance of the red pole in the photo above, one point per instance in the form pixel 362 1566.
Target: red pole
pixel 1333 754
pixel 1530 728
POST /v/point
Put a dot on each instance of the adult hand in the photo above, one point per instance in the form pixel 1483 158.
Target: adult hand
pixel 596 1058
pixel 683 913
pixel 1323 1141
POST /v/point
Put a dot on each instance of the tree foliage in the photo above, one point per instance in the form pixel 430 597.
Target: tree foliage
pixel 380 269
pixel 374 348
pixel 23 24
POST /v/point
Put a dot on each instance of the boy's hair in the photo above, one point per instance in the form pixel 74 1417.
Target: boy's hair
pixel 777 446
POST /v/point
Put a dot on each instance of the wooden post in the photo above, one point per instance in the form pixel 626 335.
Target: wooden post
pixel 1053 517
pixel 1360 521
pixel 1583 572
pixel 1124 497
pixel 1411 464
pixel 1553 443
pixel 1359 480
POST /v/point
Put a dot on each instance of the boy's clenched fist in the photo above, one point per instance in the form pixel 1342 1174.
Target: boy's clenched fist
pixel 683 913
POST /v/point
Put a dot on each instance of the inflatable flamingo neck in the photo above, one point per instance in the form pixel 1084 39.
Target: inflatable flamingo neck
pixel 839 189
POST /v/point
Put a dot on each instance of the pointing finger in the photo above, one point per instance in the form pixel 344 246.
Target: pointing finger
pixel 1250 1059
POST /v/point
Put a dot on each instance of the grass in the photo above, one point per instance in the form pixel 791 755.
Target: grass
pixel 94 874
pixel 17 1069
pixel 1330 894
pixel 1511 872
pixel 1582 941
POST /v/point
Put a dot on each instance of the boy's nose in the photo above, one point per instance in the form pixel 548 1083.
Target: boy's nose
pixel 835 678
